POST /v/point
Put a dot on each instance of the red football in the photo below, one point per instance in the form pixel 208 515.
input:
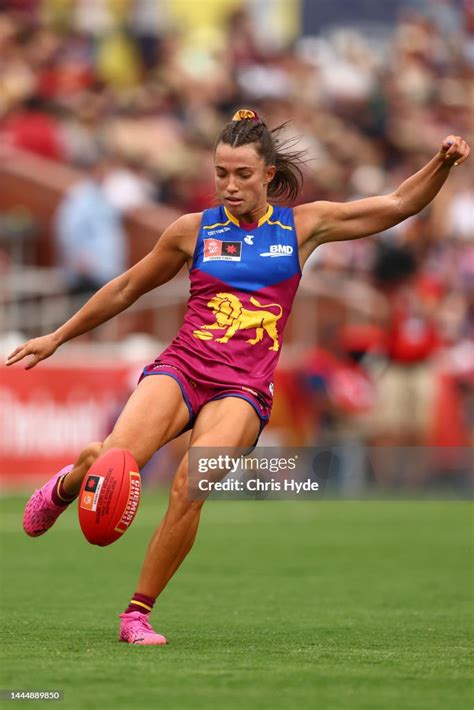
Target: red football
pixel 109 497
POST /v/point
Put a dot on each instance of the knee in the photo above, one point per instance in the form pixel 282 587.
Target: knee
pixel 116 442
pixel 91 453
pixel 184 497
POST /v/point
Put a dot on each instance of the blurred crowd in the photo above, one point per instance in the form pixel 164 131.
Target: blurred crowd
pixel 118 89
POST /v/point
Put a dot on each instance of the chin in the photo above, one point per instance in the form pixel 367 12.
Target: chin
pixel 237 210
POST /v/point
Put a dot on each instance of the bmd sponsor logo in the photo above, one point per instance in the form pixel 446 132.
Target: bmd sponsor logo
pixel 278 250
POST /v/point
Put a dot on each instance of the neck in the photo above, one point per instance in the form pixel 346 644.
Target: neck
pixel 254 215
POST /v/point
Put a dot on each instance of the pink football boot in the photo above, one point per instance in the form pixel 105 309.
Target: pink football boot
pixel 135 628
pixel 40 512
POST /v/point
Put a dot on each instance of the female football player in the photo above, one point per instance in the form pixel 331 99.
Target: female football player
pixel 244 258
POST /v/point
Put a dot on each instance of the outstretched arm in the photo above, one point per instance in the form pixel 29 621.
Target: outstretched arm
pixel 172 250
pixel 320 222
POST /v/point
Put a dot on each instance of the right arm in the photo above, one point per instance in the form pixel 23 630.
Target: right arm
pixel 171 252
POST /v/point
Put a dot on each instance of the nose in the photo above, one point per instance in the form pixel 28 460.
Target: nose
pixel 231 186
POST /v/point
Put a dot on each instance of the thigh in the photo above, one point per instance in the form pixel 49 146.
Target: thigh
pixel 231 421
pixel 225 423
pixel 155 413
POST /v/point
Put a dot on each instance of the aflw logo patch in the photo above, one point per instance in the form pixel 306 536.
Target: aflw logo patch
pixel 217 250
pixel 278 250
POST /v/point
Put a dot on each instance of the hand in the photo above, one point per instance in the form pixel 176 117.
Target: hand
pixel 454 151
pixel 40 348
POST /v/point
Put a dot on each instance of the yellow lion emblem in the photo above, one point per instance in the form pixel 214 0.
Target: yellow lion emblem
pixel 231 315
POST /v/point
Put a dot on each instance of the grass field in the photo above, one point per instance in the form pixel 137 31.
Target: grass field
pixel 328 605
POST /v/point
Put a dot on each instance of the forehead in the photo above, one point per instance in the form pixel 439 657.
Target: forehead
pixel 234 158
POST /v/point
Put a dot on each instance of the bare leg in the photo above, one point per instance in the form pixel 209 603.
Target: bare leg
pixel 154 414
pixel 226 422
pixel 73 481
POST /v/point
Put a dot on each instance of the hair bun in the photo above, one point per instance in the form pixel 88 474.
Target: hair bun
pixel 245 114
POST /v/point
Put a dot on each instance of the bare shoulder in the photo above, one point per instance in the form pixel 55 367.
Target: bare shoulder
pixel 309 217
pixel 309 222
pixel 181 234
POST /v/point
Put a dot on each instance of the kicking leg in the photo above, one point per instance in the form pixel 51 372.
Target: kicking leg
pixel 154 414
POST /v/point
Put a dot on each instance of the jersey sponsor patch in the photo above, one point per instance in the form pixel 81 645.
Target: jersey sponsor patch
pixel 217 250
pixel 278 250
pixel 212 232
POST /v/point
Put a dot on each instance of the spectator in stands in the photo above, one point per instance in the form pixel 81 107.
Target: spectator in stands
pixel 127 185
pixel 33 127
pixel 405 390
pixel 91 241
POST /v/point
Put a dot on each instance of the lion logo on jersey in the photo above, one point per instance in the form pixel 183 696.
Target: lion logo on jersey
pixel 230 314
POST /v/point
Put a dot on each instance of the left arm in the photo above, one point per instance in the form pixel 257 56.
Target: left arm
pixel 320 222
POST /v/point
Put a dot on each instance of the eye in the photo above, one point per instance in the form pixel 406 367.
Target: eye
pixel 245 176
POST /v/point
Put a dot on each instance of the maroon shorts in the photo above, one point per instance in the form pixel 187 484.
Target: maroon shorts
pixel 197 393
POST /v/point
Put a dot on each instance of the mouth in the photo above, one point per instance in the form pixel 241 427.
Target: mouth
pixel 234 201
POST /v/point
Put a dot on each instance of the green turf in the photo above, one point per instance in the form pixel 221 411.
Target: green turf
pixel 329 605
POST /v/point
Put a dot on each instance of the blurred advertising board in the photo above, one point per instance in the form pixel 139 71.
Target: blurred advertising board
pixel 49 413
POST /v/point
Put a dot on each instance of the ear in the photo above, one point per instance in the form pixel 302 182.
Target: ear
pixel 270 173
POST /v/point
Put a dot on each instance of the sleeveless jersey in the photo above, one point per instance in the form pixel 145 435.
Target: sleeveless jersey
pixel 243 282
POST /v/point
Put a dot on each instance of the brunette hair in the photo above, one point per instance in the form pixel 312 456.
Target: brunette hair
pixel 247 127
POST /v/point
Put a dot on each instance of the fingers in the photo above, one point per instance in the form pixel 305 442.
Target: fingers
pixel 446 145
pixel 34 361
pixel 465 154
pixel 38 348
pixel 455 150
pixel 18 354
pixel 21 352
pixel 451 146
